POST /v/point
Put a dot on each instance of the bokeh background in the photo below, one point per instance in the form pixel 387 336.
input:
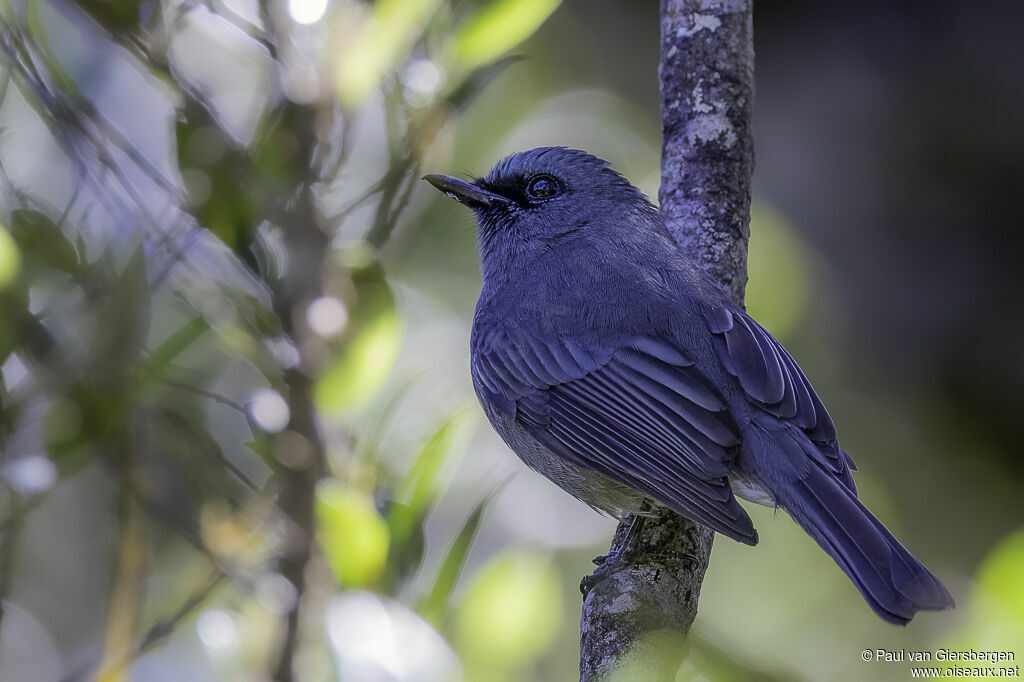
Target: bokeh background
pixel 153 155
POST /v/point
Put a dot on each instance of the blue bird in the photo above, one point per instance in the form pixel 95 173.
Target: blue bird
pixel 610 363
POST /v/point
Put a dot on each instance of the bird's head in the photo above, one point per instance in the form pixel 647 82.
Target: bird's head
pixel 532 200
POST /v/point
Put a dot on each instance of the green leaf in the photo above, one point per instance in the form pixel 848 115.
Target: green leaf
pixel 511 614
pixel 256 317
pixel 477 81
pixel 380 42
pixel 1000 577
pixel 369 439
pixel 13 296
pixel 499 27
pixel 353 535
pixel 42 40
pixel 105 413
pixel 420 488
pixel 993 618
pixel 369 347
pixel 362 368
pixel 41 240
pixel 434 607
pixel 174 345
pixel 62 424
pixel 221 190
pixel 124 316
pixel 116 16
pixel 10 258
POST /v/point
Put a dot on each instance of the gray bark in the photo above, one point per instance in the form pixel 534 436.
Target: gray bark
pixel 707 89
pixel 707 92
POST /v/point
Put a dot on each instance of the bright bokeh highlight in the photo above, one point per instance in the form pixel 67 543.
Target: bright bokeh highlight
pixel 307 11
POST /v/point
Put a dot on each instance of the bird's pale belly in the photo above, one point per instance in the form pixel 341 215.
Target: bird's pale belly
pixel 599 491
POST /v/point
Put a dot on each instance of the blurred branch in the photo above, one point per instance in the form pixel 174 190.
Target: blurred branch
pixel 77 125
pixel 392 201
pixel 8 538
pixel 163 628
pixel 398 182
pixel 206 393
pixel 69 114
pixel 338 218
pixel 707 88
pixel 125 604
pixel 228 13
pixel 306 243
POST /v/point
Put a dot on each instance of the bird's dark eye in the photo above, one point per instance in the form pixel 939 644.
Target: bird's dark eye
pixel 542 187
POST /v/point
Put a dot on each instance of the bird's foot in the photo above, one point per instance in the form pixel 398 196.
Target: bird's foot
pixel 615 559
pixel 612 562
pixel 606 565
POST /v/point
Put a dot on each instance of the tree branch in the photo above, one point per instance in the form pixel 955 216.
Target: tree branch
pixel 707 88
pixel 707 93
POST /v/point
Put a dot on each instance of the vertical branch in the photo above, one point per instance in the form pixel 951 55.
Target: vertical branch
pixel 298 487
pixel 707 153
pixel 306 243
pixel 9 532
pixel 707 87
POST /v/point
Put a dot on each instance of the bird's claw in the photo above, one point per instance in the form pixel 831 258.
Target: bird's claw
pixel 606 564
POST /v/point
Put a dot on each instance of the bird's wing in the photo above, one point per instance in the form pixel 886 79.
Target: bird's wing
pixel 773 382
pixel 642 414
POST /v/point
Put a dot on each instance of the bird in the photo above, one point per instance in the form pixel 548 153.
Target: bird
pixel 612 364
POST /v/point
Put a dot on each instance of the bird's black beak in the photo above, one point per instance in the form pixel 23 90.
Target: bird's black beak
pixel 465 192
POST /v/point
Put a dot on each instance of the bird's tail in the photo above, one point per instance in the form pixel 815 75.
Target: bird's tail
pixel 894 583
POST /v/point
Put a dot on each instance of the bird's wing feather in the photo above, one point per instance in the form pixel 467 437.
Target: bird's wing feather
pixel 642 414
pixel 773 382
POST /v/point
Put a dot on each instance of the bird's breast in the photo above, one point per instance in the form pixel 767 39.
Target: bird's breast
pixel 597 490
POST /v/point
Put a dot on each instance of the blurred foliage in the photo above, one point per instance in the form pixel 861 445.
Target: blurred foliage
pixel 210 332
pixel 778 284
pixel 232 343
pixel 995 620
pixel 434 606
pixel 8 258
pixel 502 25
pixel 654 656
pixel 509 615
pixel 352 532
pixel 421 486
pixel 378 39
pixel 369 347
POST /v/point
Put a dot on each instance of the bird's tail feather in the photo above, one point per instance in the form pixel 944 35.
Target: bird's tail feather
pixel 894 583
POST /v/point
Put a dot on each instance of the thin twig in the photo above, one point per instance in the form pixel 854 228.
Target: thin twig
pixel 164 627
pixel 8 539
pixel 206 393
